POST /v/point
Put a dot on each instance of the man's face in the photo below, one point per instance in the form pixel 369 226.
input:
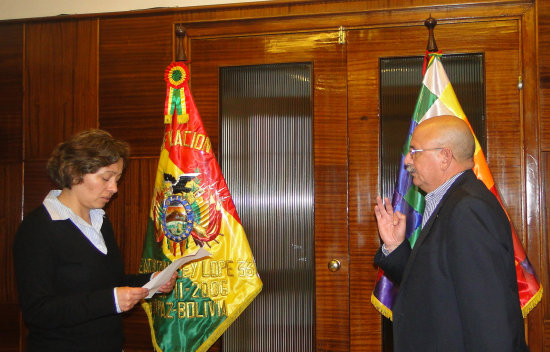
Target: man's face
pixel 424 166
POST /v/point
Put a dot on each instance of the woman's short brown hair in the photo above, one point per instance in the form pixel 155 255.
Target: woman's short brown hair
pixel 85 153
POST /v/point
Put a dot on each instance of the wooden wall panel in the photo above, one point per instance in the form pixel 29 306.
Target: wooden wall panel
pixel 11 92
pixel 363 129
pixel 11 184
pixel 300 16
pixel 330 139
pixel 134 53
pixel 532 173
pixel 36 183
pixel 543 30
pixel 543 14
pixel 10 327
pixel 129 210
pixel 84 112
pixel 137 334
pixel 61 81
pixel 10 217
pixel 544 274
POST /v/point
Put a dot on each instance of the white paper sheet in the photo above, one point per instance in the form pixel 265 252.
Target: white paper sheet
pixel 165 275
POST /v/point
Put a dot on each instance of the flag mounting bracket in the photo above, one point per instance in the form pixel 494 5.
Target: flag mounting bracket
pixel 430 23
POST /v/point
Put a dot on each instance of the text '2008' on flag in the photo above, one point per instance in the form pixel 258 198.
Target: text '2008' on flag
pixel 192 209
pixel 437 98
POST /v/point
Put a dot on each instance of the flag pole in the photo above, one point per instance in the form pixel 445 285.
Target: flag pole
pixel 430 23
pixel 181 35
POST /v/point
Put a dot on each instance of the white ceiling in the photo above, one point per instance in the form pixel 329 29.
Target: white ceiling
pixel 17 9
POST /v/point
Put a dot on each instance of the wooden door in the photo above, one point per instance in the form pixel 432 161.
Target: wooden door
pixel 328 58
pixel 499 41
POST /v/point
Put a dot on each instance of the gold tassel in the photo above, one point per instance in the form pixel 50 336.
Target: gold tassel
pixel 532 303
pixel 385 311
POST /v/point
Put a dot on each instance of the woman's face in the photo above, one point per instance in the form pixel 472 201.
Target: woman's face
pixel 96 189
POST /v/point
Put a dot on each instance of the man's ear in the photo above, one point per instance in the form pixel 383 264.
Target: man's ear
pixel 446 158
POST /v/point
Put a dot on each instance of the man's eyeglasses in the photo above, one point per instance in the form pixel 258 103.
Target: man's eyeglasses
pixel 414 151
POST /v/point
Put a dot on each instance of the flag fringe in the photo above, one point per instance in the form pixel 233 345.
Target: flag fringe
pixel 525 310
pixel 532 302
pixel 147 308
pixel 385 311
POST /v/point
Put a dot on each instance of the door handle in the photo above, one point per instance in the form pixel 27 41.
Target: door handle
pixel 334 265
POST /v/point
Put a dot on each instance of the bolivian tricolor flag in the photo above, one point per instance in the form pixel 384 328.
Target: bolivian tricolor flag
pixel 192 208
pixel 436 98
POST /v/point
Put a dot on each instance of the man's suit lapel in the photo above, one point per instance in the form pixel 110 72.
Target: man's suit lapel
pixel 427 227
pixel 423 234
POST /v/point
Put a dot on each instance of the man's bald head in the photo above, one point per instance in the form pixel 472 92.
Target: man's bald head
pixel 453 133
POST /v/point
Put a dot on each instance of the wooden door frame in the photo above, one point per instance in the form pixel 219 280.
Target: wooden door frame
pixel 524 11
pixel 329 150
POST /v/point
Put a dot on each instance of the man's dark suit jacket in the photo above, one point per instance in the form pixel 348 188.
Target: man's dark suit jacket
pixel 458 288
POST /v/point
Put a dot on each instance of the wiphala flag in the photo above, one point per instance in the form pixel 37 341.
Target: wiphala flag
pixel 437 97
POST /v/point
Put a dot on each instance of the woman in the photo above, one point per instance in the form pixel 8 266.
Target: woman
pixel 69 269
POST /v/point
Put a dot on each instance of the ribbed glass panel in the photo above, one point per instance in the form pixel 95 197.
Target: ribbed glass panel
pixel 400 83
pixel 266 157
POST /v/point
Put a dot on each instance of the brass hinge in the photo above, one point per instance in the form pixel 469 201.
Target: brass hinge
pixel 520 83
pixel 341 35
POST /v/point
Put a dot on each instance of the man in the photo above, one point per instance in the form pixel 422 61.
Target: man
pixel 457 287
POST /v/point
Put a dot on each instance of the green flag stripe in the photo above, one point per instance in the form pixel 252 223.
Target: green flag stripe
pixel 415 199
pixel 424 103
pixel 176 318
